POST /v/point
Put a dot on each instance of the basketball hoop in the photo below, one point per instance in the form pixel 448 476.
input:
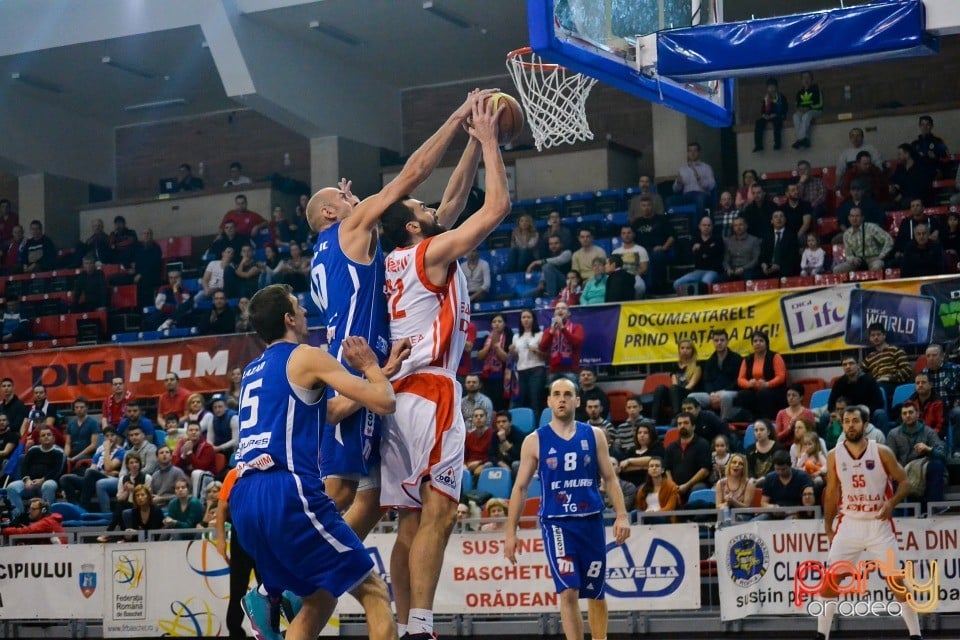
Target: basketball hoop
pixel 554 98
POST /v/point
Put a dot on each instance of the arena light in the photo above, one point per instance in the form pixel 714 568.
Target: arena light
pixel 129 68
pixel 36 83
pixel 158 104
pixel 446 14
pixel 336 34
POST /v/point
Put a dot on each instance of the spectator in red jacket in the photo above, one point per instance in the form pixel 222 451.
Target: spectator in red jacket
pixel 41 521
pixel 929 403
pixel 174 399
pixel 115 406
pixel 194 455
pixel 248 222
pixel 561 342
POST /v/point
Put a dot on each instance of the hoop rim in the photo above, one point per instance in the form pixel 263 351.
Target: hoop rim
pixel 516 54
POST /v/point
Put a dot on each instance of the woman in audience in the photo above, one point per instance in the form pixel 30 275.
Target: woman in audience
pixel 595 290
pixel 800 427
pixel 531 363
pixel 523 243
pixel 494 355
pixel 131 476
pixel 571 292
pixel 760 454
pixel 243 316
pixel 211 501
pixel 495 508
pixel 197 412
pixel 233 389
pixel 270 267
pixel 720 457
pixel 295 270
pixel 634 468
pixel 793 410
pixel 762 380
pixel 185 512
pixel 282 232
pixel 684 380
pixel 659 493
pixel 812 459
pixel 744 196
pixel 735 489
pixel 144 515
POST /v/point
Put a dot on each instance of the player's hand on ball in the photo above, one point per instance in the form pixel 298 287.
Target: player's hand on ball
pixel 621 529
pixel 483 126
pixel 358 353
pixel 465 111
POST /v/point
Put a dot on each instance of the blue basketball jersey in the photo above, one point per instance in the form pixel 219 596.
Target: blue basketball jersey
pixel 280 424
pixel 350 295
pixel 569 473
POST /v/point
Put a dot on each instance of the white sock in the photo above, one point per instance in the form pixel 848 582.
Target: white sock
pixel 420 621
pixel 825 621
pixel 262 590
pixel 401 629
pixel 911 618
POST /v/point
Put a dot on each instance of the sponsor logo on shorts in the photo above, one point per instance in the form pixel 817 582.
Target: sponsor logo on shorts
pixel 446 477
pixel 749 559
pixel 559 547
pixel 565 566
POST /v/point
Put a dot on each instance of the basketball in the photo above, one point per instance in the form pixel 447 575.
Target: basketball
pixel 511 120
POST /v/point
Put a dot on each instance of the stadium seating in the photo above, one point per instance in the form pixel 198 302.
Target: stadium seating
pixel 819 399
pixel 902 393
pixel 522 418
pixel 749 438
pixel 545 416
pixel 618 405
pixel 496 481
pixel 535 489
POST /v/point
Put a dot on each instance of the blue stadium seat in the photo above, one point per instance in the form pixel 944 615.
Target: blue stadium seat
pixel 522 418
pixel 488 306
pixel 577 204
pixel 466 484
pixel 306 301
pixel 132 336
pixel 499 259
pixel 605 243
pixel 518 303
pixel 608 200
pixel 749 438
pixel 496 481
pixel 819 399
pixel 705 495
pixel 902 393
pixel 545 416
pixel 509 285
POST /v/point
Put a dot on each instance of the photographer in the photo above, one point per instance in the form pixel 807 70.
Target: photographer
pixel 41 521
pixel 561 342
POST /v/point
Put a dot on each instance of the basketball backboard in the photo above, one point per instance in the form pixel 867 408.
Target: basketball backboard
pixel 615 42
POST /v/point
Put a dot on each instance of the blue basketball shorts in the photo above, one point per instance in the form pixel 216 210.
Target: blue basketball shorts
pixel 576 551
pixel 295 535
pixel 351 448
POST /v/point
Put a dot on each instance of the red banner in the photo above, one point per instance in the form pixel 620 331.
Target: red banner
pixel 201 363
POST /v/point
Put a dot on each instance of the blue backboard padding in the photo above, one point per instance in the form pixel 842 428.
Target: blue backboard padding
pixel 619 74
pixel 794 43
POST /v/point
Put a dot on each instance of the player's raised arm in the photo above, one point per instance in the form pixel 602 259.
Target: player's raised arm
pixel 529 458
pixel 418 167
pixel 898 475
pixel 452 245
pixel 621 526
pixel 459 185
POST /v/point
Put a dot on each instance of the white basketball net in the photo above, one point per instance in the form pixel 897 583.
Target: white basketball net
pixel 553 97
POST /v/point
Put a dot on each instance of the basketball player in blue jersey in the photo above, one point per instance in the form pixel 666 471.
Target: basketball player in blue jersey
pixel 570 458
pixel 281 514
pixel 347 284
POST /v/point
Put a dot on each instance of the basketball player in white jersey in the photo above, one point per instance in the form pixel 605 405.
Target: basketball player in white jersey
pixel 859 474
pixel 422 445
pixel 346 283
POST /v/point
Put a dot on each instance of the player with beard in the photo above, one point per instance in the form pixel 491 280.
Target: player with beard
pixel 346 282
pixel 423 443
pixel 859 472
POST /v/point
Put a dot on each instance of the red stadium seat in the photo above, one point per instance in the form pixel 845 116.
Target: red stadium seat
pixel 829 279
pixel 728 287
pixel 670 437
pixel 891 273
pixel 796 281
pixel 618 405
pixel 762 285
pixel 837 253
pixel 894 218
pixel 827 227
pixel 110 270
pixel 180 247
pixel 123 297
pixel 863 276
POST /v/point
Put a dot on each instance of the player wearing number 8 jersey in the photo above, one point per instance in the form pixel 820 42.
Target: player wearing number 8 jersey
pixel 290 527
pixel 347 285
pixel 570 458
pixel 422 445
pixel 859 472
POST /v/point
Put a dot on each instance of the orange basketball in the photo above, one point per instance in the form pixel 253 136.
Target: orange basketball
pixel 511 120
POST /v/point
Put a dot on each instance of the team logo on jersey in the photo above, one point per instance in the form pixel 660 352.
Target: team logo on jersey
pixel 585 445
pixel 551 463
pixel 870 464
pixel 587 459
pixel 748 558
pixel 562 497
pixel 447 477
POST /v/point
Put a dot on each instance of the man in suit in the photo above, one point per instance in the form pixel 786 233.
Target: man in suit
pixel 780 253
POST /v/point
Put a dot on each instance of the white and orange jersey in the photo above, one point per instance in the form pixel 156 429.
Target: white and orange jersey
pixel 434 318
pixel 864 483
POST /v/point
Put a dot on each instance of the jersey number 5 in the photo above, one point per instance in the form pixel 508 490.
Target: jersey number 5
pixel 250 402
pixel 394 291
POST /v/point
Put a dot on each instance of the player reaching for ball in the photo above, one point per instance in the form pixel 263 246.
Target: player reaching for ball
pixel 422 445
pixel 570 457
pixel 347 285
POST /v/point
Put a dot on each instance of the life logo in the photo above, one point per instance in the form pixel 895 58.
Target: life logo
pixel 749 559
pixel 659 574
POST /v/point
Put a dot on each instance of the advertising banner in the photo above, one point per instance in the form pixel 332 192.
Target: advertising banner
pixel 201 363
pixel 907 319
pixel 51 582
pixel 658 568
pixel 758 562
